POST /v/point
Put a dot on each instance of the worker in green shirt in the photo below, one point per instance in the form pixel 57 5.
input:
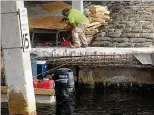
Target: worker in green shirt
pixel 80 22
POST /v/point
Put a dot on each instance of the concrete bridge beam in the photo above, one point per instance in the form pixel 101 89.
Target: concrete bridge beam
pixel 145 58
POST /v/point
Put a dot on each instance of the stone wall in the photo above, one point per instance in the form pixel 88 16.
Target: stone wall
pixel 131 25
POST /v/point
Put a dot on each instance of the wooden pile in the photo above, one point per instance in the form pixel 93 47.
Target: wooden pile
pixel 99 16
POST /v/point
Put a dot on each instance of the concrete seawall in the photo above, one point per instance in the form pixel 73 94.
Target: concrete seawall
pixel 92 75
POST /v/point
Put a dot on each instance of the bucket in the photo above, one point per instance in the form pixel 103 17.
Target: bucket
pixel 34 65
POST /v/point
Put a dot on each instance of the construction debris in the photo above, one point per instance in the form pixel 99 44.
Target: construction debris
pixel 99 16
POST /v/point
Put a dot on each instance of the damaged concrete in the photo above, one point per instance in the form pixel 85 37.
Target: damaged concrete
pixel 96 56
pixel 111 75
pixel 18 104
pixel 145 58
pixel 50 52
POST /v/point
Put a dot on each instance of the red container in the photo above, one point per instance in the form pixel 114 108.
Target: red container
pixel 47 84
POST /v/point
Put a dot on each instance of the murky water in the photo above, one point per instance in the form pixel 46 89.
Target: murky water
pixel 101 102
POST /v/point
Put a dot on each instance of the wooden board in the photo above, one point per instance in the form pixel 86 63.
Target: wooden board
pixel 55 6
pixel 38 91
pixel 51 22
pixel 91 29
pixel 91 32
pixel 41 91
pixel 97 20
pixel 96 26
pixel 96 14
pixel 105 17
pixel 98 8
pixel 99 16
pixel 93 24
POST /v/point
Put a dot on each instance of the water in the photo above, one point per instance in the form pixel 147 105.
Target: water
pixel 101 102
pixel 114 102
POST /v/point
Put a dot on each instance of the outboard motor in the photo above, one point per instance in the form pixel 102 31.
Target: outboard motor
pixel 70 79
pixel 64 82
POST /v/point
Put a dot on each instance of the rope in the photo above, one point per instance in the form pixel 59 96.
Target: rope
pixel 50 70
pixel 53 68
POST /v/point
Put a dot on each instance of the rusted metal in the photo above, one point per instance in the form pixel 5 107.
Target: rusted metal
pixel 122 60
pixel 18 104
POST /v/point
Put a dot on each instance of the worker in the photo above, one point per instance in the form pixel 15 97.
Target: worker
pixel 79 22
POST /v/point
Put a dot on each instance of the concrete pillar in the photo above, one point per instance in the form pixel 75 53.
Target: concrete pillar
pixel 21 98
pixel 78 4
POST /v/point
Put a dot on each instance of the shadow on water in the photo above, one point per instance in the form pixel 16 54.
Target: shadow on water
pixel 102 100
pixel 113 100
pixel 66 107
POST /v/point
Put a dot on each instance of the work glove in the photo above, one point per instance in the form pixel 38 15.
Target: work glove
pixel 64 19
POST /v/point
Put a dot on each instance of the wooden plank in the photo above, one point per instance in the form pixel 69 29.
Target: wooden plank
pixel 98 8
pixel 101 14
pixel 98 20
pixel 106 17
pixel 50 22
pixel 55 6
pixel 96 26
pixel 93 24
pixel 38 91
pixel 91 32
pixel 41 91
pixel 92 29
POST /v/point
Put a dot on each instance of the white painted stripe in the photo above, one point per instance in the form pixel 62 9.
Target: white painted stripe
pixel 41 62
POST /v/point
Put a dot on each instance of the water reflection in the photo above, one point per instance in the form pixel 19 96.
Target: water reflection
pixel 115 101
pixel 65 106
pixel 109 101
